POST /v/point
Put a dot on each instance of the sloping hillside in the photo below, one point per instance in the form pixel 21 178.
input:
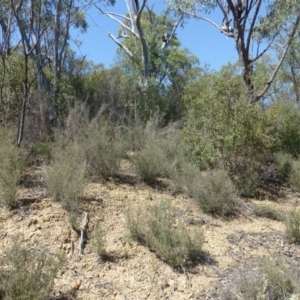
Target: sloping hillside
pixel 132 271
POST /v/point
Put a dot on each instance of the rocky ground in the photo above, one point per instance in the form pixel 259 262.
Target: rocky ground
pixel 131 271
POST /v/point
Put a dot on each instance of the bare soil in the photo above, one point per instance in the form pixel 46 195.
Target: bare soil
pixel 131 271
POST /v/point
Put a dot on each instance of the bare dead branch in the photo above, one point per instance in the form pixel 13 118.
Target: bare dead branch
pixel 128 52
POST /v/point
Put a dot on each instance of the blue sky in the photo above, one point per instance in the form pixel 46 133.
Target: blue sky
pixel 201 38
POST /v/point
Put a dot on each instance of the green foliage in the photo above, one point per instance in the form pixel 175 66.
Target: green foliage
pixel 284 127
pixel 104 146
pixel 170 68
pixel 284 163
pixel 246 179
pixel 12 160
pixel 65 177
pixel 28 274
pixel 99 243
pixel 293 226
pixel 222 127
pixel 161 151
pixel 266 279
pixel 155 228
pixel 268 211
pixel 42 149
pixel 214 192
pixel 294 177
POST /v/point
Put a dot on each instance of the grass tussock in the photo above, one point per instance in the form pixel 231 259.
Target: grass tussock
pixel 155 228
pixel 267 279
pixel 292 225
pixel 268 211
pixel 65 176
pixel 104 147
pixel 161 152
pixel 12 161
pixel 28 273
pixel 99 243
pixel 284 162
pixel 213 191
pixel 294 177
pixel 246 180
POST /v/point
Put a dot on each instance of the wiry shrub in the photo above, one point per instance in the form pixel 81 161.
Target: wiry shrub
pixel 292 225
pixel 161 153
pixel 28 273
pixel 294 177
pixel 154 227
pixel 99 243
pixel 104 147
pixel 267 279
pixel 65 177
pixel 268 211
pixel 246 180
pixel 11 165
pixel 284 163
pixel 212 190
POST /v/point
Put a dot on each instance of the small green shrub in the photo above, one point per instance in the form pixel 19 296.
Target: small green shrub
pixel 267 211
pixel 155 228
pixel 42 149
pixel 292 225
pixel 12 160
pixel 27 274
pixel 150 162
pixel 161 154
pixel 99 243
pixel 104 147
pixel 294 177
pixel 246 181
pixel 65 177
pixel 284 162
pixel 267 280
pixel 213 191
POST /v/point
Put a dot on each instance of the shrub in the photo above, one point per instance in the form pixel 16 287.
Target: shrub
pixel 294 177
pixel 246 180
pixel 11 165
pixel 292 224
pixel 99 243
pixel 150 162
pixel 267 279
pixel 104 147
pixel 267 211
pixel 27 273
pixel 161 154
pixel 284 163
pixel 213 191
pixel 155 228
pixel 65 177
pixel 42 149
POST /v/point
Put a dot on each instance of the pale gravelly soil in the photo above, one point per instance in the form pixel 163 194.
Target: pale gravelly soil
pixel 132 271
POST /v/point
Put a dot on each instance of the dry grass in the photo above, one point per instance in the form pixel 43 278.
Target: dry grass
pixel 65 177
pixel 292 224
pixel 11 165
pixel 28 273
pixel 267 279
pixel 154 227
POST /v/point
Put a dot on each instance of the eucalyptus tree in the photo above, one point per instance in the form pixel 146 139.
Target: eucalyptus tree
pixel 168 66
pixel 43 27
pixel 253 24
pixel 289 75
pixel 132 27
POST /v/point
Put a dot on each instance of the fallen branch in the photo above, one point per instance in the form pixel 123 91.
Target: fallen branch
pixel 83 233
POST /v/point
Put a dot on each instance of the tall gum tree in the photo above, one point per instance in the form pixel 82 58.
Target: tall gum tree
pixel 131 26
pixel 252 24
